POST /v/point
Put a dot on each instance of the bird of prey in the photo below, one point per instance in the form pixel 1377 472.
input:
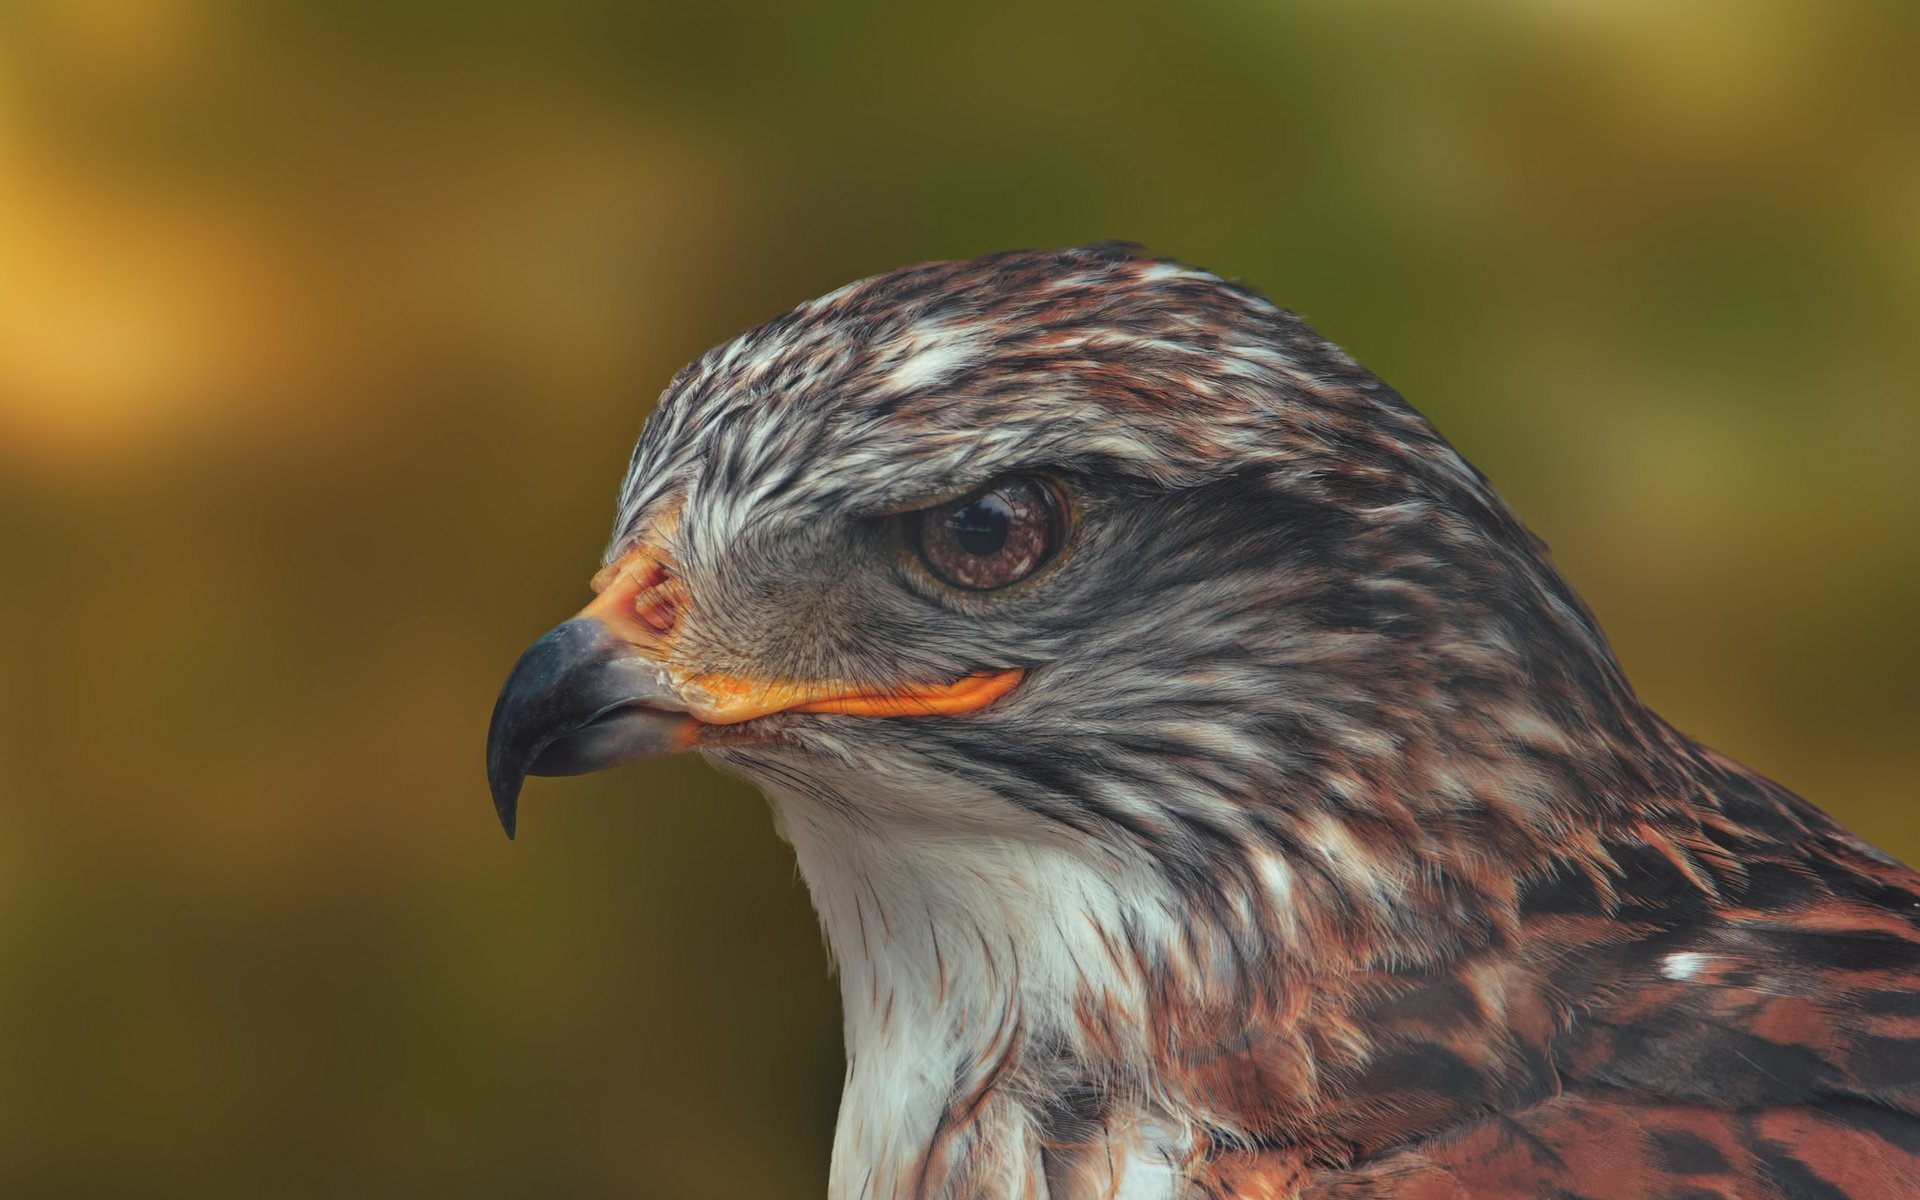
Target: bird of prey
pixel 1207 787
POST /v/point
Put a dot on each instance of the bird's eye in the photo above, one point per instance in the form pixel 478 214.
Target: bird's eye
pixel 997 536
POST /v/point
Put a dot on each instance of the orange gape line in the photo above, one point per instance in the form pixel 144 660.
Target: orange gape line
pixel 728 700
pixel 923 700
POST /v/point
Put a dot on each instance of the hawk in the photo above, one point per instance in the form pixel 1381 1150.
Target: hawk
pixel 1207 787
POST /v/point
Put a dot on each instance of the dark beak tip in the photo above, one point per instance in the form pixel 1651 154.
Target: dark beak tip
pixel 519 725
pixel 506 770
pixel 507 805
pixel 504 777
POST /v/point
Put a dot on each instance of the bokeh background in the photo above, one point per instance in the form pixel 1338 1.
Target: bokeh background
pixel 325 329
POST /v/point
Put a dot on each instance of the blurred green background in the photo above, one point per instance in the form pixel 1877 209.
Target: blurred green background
pixel 325 330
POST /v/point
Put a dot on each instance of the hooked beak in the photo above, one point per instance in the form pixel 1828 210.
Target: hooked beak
pixel 579 700
pixel 595 693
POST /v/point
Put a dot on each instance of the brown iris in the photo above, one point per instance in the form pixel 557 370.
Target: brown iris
pixel 994 537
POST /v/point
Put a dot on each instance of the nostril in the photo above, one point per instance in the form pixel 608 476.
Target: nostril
pixel 657 614
pixel 657 606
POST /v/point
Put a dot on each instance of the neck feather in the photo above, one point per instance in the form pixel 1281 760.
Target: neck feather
pixel 993 968
pixel 975 970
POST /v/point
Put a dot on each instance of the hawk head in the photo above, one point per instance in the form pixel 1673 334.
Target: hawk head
pixel 1191 759
pixel 1065 545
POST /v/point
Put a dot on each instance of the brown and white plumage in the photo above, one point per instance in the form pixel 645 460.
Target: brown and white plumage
pixel 1290 831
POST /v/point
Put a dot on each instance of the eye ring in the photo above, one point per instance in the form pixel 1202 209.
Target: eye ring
pixel 993 537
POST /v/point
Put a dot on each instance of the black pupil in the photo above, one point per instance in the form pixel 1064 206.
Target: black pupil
pixel 981 527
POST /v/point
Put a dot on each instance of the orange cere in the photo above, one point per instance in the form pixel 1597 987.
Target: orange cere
pixel 640 596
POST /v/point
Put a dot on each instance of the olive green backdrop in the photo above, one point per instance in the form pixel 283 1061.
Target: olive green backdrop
pixel 325 330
